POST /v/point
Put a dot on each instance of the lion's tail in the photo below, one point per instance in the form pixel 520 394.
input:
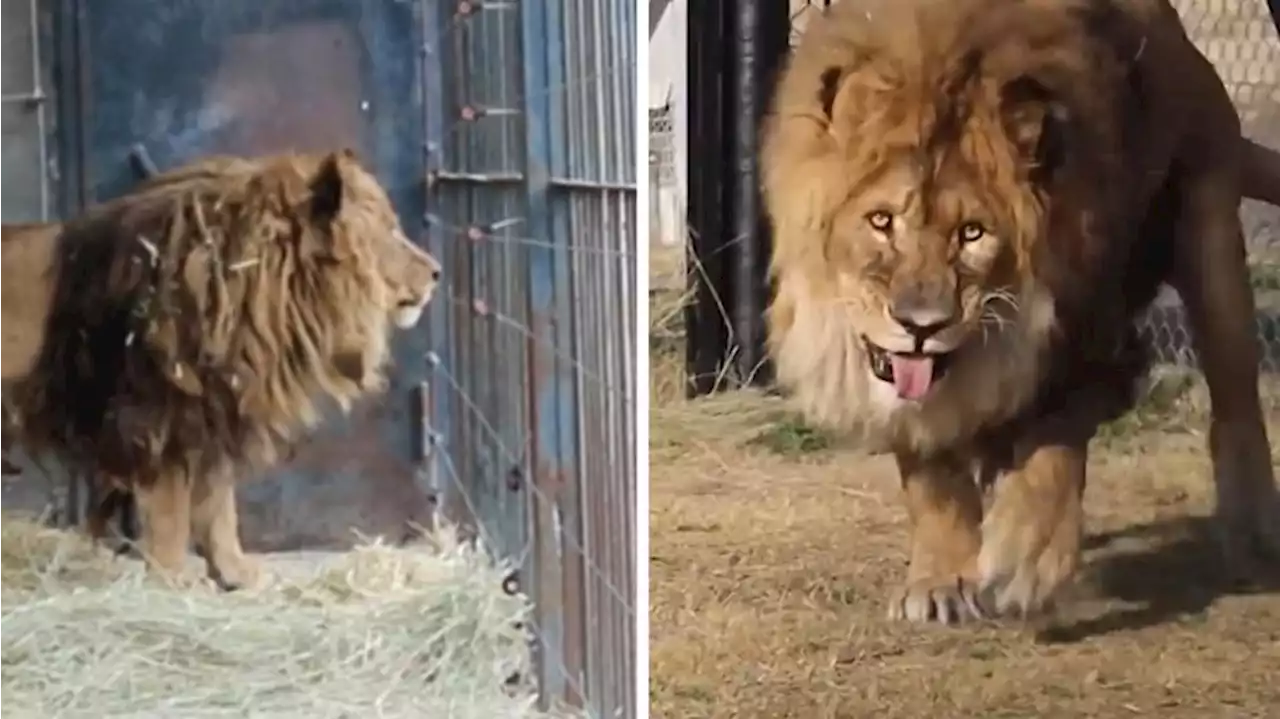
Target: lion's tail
pixel 1260 172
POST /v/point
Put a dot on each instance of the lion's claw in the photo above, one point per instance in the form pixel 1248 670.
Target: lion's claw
pixel 235 572
pixel 946 600
pixel 1023 594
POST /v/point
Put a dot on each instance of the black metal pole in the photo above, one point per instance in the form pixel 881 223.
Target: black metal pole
pixel 746 223
pixel 707 320
pixel 760 42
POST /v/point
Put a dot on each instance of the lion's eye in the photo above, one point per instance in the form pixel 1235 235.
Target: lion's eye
pixel 972 232
pixel 880 220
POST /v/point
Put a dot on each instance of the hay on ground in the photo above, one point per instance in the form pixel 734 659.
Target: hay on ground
pixel 377 632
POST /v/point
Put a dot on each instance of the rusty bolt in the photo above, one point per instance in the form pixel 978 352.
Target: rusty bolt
pixel 469 113
pixel 465 8
pixel 481 307
pixel 511 583
pixel 475 234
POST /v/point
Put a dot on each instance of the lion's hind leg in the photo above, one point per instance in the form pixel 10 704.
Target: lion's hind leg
pixel 945 505
pixel 1212 277
pixel 217 534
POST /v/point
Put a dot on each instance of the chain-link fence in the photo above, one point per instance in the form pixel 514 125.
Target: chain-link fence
pixel 665 207
pixel 531 146
pixel 1240 38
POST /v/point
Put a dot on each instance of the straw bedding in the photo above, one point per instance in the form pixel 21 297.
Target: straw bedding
pixel 377 632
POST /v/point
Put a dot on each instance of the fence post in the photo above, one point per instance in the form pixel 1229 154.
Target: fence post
pixel 707 319
pixel 735 48
pixel 556 583
pixel 760 44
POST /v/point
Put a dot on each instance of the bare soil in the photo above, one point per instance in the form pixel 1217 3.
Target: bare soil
pixel 769 572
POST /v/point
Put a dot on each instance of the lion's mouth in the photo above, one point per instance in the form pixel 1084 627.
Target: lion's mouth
pixel 408 313
pixel 912 374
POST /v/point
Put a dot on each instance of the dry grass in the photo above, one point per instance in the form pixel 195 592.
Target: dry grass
pixel 381 631
pixel 773 547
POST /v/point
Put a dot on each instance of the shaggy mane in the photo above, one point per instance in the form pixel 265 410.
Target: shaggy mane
pixel 196 320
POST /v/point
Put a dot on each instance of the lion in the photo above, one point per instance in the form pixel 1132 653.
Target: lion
pixel 189 331
pixel 972 201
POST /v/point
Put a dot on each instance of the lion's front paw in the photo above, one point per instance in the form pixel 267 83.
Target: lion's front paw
pixel 1030 549
pixel 235 571
pixel 946 599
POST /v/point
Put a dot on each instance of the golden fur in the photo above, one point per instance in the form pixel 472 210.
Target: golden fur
pixel 992 190
pixel 191 328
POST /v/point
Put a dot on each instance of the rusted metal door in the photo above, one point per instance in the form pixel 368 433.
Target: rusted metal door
pixel 166 81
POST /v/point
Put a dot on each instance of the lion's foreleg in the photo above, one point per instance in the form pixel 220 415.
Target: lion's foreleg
pixel 109 500
pixel 945 505
pixel 1212 278
pixel 165 509
pixel 215 524
pixel 1031 536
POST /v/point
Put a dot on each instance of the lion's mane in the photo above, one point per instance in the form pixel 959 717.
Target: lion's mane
pixel 879 79
pixel 195 322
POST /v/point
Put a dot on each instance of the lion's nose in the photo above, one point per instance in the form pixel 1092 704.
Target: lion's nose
pixel 921 316
pixel 435 274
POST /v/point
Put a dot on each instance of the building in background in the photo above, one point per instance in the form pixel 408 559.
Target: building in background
pixel 667 122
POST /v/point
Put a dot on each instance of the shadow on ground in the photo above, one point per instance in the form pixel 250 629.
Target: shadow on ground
pixel 1167 570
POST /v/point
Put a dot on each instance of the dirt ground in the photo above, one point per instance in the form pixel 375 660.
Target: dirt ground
pixel 773 548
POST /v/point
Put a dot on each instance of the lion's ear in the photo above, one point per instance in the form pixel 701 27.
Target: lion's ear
pixel 326 189
pixel 829 85
pixel 1035 121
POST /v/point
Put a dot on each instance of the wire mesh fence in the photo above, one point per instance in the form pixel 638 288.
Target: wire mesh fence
pixel 530 398
pixel 1240 38
pixel 665 208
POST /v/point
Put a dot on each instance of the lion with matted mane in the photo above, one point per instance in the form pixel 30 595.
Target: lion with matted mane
pixel 972 201
pixel 192 329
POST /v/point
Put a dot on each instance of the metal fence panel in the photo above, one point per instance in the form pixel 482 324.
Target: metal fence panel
pixel 530 147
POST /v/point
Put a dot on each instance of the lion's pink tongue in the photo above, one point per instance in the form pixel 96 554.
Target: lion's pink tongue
pixel 912 375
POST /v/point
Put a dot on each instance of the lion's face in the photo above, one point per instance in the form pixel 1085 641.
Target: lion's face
pixel 924 268
pixel 409 275
pixel 412 275
pixel 909 252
